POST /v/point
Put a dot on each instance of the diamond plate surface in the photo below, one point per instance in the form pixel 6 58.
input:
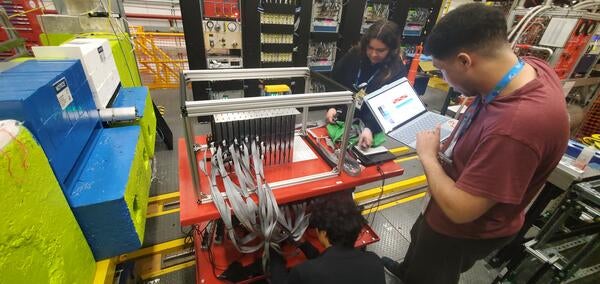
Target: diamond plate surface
pixel 391 244
pixel 478 274
pixel 412 168
pixel 187 275
pixel 166 171
pixel 163 229
pixel 403 216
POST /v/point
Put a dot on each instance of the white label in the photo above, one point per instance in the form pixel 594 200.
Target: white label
pixel 557 32
pixel 101 53
pixel 63 93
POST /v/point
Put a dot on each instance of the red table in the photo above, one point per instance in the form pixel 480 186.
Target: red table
pixel 193 213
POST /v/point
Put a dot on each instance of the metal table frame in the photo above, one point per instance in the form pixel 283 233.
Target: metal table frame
pixel 191 108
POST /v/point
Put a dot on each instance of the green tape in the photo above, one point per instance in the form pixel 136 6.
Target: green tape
pixel 40 240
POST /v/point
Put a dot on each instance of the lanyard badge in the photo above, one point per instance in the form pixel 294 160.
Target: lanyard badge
pixel 359 97
pixel 473 110
pixel 361 88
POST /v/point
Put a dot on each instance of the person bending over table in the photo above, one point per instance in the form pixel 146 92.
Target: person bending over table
pixel 338 222
pixel 372 64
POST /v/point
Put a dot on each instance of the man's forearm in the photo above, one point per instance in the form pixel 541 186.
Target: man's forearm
pixel 458 205
pixel 441 186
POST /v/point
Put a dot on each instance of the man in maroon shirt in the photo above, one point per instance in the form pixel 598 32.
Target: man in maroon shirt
pixel 498 158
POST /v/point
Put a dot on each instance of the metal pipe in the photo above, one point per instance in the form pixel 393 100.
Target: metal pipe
pixel 134 15
pixel 117 114
pixel 245 74
pixel 304 119
pixel 203 108
pixel 305 109
pixel 284 183
pixel 189 138
pixel 347 127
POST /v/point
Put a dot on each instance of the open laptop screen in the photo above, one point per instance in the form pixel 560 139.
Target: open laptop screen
pixel 396 105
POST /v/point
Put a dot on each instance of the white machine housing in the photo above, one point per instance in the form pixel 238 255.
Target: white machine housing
pixel 97 60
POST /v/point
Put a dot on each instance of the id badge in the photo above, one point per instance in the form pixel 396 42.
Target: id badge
pixel 359 99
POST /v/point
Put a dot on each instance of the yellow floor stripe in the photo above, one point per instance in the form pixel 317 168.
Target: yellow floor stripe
pixel 389 188
pixel 152 215
pixel 168 270
pixel 399 150
pixel 172 195
pixel 163 247
pixel 406 159
pixel 394 203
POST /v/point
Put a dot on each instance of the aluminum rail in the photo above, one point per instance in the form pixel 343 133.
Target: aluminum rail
pixel 203 108
pixel 190 109
pixel 245 74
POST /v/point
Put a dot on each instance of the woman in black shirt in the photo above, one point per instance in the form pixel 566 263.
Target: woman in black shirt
pixel 375 62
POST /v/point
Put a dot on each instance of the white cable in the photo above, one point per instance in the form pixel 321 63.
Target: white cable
pixel 222 207
pixel 520 23
pixel 583 3
pixel 586 6
pixel 526 24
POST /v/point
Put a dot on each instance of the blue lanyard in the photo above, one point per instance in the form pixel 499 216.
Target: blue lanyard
pixel 356 84
pixel 514 71
pixel 476 106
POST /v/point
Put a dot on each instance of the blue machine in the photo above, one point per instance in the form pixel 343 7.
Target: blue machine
pixel 94 165
pixel 98 197
pixel 54 100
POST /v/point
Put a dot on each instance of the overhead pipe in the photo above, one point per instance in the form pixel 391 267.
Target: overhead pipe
pixel 136 15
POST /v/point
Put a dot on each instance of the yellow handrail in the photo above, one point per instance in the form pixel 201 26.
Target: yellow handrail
pixel 161 66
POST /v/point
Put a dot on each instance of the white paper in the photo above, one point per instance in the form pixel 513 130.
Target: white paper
pixel 557 32
pixel 301 151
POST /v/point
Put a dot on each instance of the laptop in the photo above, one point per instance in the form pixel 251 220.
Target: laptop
pixel 401 114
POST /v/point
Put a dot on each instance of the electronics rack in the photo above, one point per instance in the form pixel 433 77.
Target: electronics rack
pixel 227 41
pixel 415 19
pixel 222 33
pixel 276 33
pixel 375 10
pixel 567 42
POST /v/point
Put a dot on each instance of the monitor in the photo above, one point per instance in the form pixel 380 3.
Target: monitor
pixel 395 104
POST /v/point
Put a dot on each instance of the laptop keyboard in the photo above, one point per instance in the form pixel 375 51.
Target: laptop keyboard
pixel 408 133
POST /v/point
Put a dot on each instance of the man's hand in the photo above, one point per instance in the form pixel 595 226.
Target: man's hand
pixel 428 143
pixel 330 115
pixel 365 139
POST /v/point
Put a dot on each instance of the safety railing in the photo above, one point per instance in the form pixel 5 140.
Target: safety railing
pixel 161 57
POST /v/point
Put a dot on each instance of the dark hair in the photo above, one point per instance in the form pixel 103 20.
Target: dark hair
pixel 338 215
pixel 387 32
pixel 470 27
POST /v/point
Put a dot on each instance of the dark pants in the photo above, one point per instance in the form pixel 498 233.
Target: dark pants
pixel 435 258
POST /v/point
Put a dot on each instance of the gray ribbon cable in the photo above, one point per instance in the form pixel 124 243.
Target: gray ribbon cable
pixel 292 219
pixel 222 207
